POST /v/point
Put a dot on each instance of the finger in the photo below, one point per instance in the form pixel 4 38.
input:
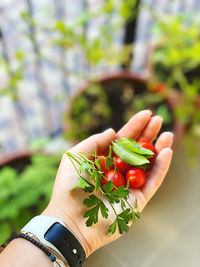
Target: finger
pixel 97 142
pixel 157 173
pixel 165 140
pixel 135 125
pixel 152 129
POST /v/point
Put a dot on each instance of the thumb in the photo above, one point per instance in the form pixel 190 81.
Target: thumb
pixel 98 142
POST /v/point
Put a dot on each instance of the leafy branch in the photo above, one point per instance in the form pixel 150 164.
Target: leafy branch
pixel 85 163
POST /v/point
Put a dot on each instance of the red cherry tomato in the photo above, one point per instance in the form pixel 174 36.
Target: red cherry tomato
pixel 136 177
pixel 122 166
pixel 146 144
pixel 116 177
pixel 102 161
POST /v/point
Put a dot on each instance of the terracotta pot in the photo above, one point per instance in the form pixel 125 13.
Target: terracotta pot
pixel 18 160
pixel 128 76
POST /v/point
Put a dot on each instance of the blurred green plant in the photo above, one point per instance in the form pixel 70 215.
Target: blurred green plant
pixel 14 74
pixel 156 102
pixel 96 51
pixel 176 62
pixel 111 104
pixel 99 49
pixel 25 194
pixel 89 110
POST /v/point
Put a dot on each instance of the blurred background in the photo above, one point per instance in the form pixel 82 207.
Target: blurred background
pixel 69 69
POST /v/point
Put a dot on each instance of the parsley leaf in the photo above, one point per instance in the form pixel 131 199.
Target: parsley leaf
pixel 126 215
pixel 82 183
pixel 123 204
pixel 108 187
pixel 121 192
pixel 112 227
pixel 123 227
pixel 92 214
pixel 108 164
pixel 84 166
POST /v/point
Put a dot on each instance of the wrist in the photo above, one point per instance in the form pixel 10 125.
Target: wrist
pixel 70 225
pixel 20 252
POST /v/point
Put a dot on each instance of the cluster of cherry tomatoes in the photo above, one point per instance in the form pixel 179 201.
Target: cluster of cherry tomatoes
pixel 125 172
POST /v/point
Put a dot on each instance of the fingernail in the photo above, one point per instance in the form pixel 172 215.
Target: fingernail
pixel 150 112
pixel 108 130
pixel 158 116
pixel 172 134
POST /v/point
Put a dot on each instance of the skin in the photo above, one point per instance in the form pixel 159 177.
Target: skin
pixel 68 205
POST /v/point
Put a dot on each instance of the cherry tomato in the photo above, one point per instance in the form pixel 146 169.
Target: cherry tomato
pixel 116 177
pixel 102 162
pixel 122 166
pixel 136 177
pixel 146 144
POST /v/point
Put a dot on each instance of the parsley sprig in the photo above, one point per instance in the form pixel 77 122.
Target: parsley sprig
pixel 90 164
pixel 130 152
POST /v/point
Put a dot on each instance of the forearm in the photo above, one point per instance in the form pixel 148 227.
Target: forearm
pixel 21 253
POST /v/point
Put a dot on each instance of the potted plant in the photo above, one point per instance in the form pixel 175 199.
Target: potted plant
pixel 175 61
pixel 26 182
pixel 111 101
pixel 106 98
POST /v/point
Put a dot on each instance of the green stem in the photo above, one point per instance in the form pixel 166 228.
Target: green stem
pixel 75 157
pixel 74 165
pixel 103 194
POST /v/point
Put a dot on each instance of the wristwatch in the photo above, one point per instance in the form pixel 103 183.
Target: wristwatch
pixel 53 234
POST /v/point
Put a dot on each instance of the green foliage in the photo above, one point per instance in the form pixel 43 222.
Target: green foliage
pixel 98 50
pixel 93 109
pixel 176 61
pixel 128 156
pixel 89 110
pixel 154 101
pixel 132 145
pixel 96 204
pixel 15 75
pixel 23 195
pixel 92 214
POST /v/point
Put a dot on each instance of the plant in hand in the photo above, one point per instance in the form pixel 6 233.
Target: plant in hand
pixel 112 183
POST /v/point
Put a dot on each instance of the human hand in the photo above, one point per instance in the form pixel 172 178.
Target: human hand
pixel 68 205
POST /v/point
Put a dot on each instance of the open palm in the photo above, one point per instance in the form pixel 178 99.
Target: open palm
pixel 68 205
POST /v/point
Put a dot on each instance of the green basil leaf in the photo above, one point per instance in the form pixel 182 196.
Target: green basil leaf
pixel 145 166
pixel 132 145
pixel 129 156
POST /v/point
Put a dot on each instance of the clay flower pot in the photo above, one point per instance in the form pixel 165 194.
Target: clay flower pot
pixel 120 88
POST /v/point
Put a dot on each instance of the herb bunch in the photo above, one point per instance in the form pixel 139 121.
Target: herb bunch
pixel 131 153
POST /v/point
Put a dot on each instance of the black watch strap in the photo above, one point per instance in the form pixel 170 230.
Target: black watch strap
pixel 66 243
